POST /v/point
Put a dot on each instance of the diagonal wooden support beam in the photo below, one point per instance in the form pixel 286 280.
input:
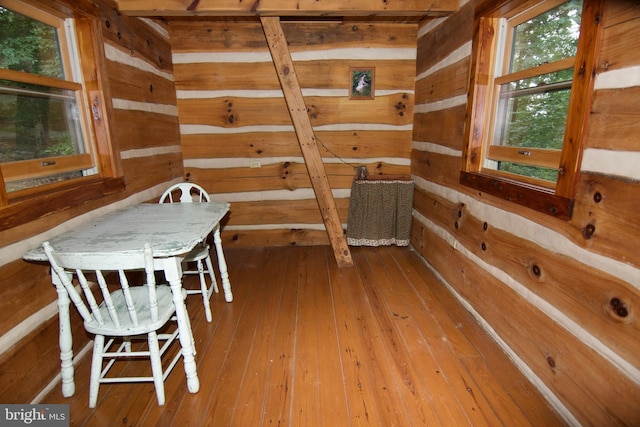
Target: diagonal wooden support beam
pixel 304 131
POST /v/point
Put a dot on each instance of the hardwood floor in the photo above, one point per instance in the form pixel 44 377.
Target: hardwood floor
pixel 307 343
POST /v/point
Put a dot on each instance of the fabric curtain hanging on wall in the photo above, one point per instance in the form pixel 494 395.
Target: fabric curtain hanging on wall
pixel 380 212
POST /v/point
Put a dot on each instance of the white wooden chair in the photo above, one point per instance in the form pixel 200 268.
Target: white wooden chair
pixel 122 314
pixel 186 192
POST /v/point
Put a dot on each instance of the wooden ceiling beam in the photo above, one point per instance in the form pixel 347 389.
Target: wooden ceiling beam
pixel 306 8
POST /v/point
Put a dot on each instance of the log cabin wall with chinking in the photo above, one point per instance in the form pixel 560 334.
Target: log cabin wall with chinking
pixel 238 140
pixel 132 74
pixel 560 296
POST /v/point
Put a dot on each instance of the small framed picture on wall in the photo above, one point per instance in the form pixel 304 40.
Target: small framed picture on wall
pixel 362 83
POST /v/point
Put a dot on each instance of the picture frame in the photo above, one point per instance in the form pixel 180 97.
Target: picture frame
pixel 362 83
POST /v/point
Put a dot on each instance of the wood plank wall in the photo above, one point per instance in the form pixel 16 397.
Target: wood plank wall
pixel 233 114
pixel 137 62
pixel 562 303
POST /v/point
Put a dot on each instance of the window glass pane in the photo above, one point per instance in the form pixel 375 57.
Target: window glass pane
pixel 533 112
pixel 531 171
pixel 36 182
pixel 38 122
pixel 29 45
pixel 40 119
pixel 546 38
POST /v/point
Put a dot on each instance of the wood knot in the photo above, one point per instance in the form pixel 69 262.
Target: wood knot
pixel 618 307
pixel 535 269
pixel 597 197
pixel 551 361
pixel 588 231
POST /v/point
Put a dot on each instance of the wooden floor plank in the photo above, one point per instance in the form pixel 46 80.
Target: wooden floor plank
pixel 466 355
pixel 357 375
pixel 418 330
pixel 277 399
pixel 443 350
pixel 212 344
pixel 416 401
pixel 384 378
pixel 333 397
pixel 308 343
pixel 305 390
pixel 223 396
pixel 250 398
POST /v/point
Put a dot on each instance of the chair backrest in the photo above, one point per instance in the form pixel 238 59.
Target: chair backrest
pixel 65 265
pixel 185 192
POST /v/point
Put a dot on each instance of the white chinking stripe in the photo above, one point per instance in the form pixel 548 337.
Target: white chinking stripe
pixel 618 79
pixel 610 162
pixel 434 23
pixel 208 129
pixel 460 53
pixel 377 54
pixel 617 163
pixel 149 152
pixel 443 104
pixel 430 25
pixel 318 227
pixel 435 148
pixel 125 104
pixel 156 27
pixel 276 93
pixel 365 53
pixel 276 195
pixel 243 162
pixel 116 55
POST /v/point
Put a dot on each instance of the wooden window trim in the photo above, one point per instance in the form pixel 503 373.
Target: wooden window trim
pixel 557 201
pixel 23 206
pixel 57 198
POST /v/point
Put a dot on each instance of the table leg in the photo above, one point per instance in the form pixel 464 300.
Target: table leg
pixel 222 265
pixel 66 343
pixel 173 274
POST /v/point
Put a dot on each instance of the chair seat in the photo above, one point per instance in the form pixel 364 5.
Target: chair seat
pixel 139 295
pixel 187 192
pixel 198 253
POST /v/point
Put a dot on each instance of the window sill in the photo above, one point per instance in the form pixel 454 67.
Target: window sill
pixel 538 199
pixel 25 208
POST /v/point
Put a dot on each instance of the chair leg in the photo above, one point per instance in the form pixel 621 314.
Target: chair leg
pixel 96 370
pixel 127 344
pixel 205 292
pixel 214 283
pixel 222 266
pixel 156 366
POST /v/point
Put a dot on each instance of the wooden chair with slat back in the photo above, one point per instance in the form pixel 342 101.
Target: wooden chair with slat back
pixel 186 192
pixel 121 315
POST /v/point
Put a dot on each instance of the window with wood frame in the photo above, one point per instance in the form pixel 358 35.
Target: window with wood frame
pixel 47 137
pixel 533 66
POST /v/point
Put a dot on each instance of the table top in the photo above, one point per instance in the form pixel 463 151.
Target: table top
pixel 170 228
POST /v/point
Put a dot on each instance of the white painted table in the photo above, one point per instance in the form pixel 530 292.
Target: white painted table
pixel 172 230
